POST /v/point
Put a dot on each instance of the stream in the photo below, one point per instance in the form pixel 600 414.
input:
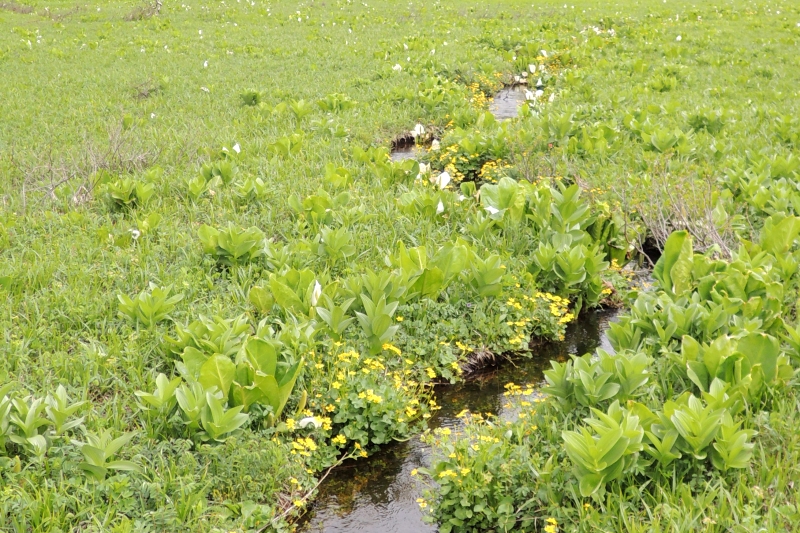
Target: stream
pixel 378 494
pixel 504 105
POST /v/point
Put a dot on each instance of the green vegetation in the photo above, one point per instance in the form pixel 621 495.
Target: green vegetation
pixel 217 284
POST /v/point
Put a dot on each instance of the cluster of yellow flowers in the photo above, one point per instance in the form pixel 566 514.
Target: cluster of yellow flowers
pixel 478 98
pixel 303 446
pixel 492 171
pixel 371 364
pixel 512 302
pixel 370 396
pixel 552 526
pixel 559 306
pixel 391 347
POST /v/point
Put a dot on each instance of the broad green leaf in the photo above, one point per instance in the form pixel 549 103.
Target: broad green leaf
pixel 218 371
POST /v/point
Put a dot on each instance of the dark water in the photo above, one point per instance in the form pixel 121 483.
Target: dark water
pixel 378 494
pixel 405 151
pixel 506 102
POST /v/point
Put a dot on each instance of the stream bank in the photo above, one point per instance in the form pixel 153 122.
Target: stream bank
pixel 379 495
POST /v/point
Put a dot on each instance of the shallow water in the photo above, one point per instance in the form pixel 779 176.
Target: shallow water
pixel 378 494
pixel 407 151
pixel 506 102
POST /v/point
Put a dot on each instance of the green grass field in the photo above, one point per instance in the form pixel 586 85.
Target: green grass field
pixel 217 284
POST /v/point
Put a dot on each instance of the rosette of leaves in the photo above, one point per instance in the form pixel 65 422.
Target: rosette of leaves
pixel 125 193
pixel 232 246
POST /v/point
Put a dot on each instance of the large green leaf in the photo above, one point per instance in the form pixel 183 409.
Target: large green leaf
pixel 430 283
pixel 262 355
pixel 269 386
pixel 193 360
pixel 285 296
pixel 761 349
pixel 246 395
pixel 674 268
pixel 218 371
pixel 779 238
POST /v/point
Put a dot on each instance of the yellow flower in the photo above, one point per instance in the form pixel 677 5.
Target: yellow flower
pixel 339 439
pixel 399 319
pixel 290 423
pixel 465 471
pixel 414 472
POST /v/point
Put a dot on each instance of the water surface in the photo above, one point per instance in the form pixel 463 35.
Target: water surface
pixel 378 494
pixel 506 102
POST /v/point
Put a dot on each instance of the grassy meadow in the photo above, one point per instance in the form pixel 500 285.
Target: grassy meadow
pixel 216 283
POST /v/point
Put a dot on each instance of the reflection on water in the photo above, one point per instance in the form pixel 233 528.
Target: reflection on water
pixel 404 151
pixel 378 494
pixel 506 102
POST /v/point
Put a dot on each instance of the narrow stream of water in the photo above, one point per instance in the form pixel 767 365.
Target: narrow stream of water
pixel 378 494
pixel 506 102
pixel 504 105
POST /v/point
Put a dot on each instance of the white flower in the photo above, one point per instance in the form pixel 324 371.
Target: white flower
pixel 200 32
pixel 433 51
pixel 435 144
pixel 441 180
pixel 204 89
pixel 532 68
pixel 552 97
pixel 539 93
pixel 543 52
pixel 525 74
pixel 460 198
pixel 491 210
pixel 418 131
pixel 397 67
pixel 205 63
pixel 135 233
pixel 309 421
pixel 237 148
pixel 423 169
pixel 517 79
pixel 529 95
pixel 539 83
pixel 316 293
pixel 678 38
pixel 152 115
pixel 405 46
pixel 440 208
